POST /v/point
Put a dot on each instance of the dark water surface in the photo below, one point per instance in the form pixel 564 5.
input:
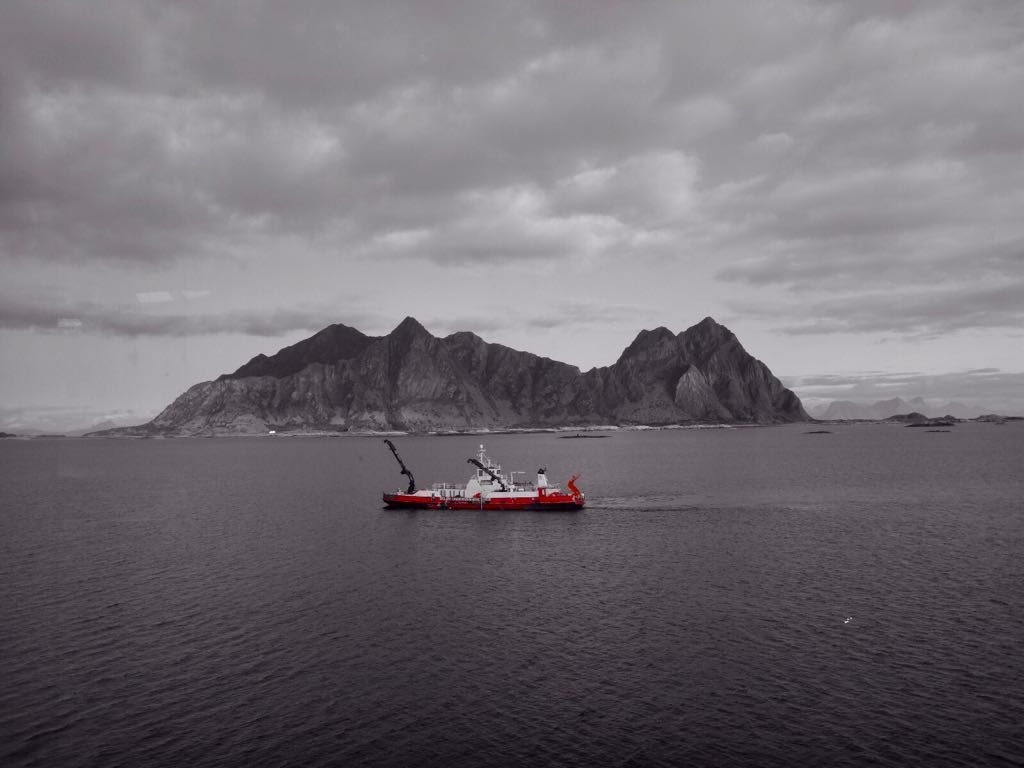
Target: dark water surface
pixel 730 597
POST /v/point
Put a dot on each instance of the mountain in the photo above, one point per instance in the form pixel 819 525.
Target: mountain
pixel 846 410
pixel 340 379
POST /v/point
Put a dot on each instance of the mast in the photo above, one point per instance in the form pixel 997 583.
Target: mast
pixel 405 470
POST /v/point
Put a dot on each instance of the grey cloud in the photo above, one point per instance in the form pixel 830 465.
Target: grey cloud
pixel 884 139
pixel 328 52
pixel 880 261
pixel 903 168
pixel 175 138
pixel 587 314
pixel 92 318
pixel 926 314
pixel 568 315
pixel 66 41
pixel 833 381
pixel 511 224
pixel 985 389
pixel 441 325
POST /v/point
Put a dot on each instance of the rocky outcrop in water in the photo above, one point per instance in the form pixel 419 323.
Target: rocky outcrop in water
pixel 920 420
pixel 341 380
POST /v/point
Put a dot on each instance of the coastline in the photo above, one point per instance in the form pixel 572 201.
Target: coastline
pixel 137 433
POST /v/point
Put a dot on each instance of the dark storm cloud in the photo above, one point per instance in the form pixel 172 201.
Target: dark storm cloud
pixel 92 318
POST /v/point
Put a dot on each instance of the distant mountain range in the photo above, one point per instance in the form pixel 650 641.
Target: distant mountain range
pixel 883 409
pixel 341 379
pixel 71 420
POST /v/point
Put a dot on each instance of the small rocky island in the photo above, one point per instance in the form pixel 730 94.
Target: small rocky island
pixel 915 419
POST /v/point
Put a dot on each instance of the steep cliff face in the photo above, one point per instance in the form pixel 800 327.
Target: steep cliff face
pixel 341 379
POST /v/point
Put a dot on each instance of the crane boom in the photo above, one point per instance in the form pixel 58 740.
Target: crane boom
pixel 405 470
pixel 495 477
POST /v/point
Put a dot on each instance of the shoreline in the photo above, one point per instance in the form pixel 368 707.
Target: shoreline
pixel 126 433
pixel 431 433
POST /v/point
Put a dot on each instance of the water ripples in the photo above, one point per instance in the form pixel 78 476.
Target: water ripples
pixel 694 613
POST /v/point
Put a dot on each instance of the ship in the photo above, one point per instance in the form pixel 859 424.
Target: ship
pixel 488 488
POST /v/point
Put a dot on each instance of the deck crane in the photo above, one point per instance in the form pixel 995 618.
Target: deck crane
pixel 405 470
pixel 495 477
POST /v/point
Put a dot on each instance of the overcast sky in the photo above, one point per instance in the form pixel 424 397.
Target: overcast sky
pixel 183 185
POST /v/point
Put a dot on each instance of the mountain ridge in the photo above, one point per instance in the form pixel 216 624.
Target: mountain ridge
pixel 848 410
pixel 340 379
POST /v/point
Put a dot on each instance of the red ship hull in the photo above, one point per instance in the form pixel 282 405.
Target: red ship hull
pixel 553 503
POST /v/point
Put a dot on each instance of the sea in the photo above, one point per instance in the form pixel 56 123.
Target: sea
pixel 769 596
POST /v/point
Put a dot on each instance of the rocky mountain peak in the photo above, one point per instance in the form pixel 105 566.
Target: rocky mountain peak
pixel 333 343
pixel 646 341
pixel 410 327
pixel 409 337
pixel 708 339
pixel 707 329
